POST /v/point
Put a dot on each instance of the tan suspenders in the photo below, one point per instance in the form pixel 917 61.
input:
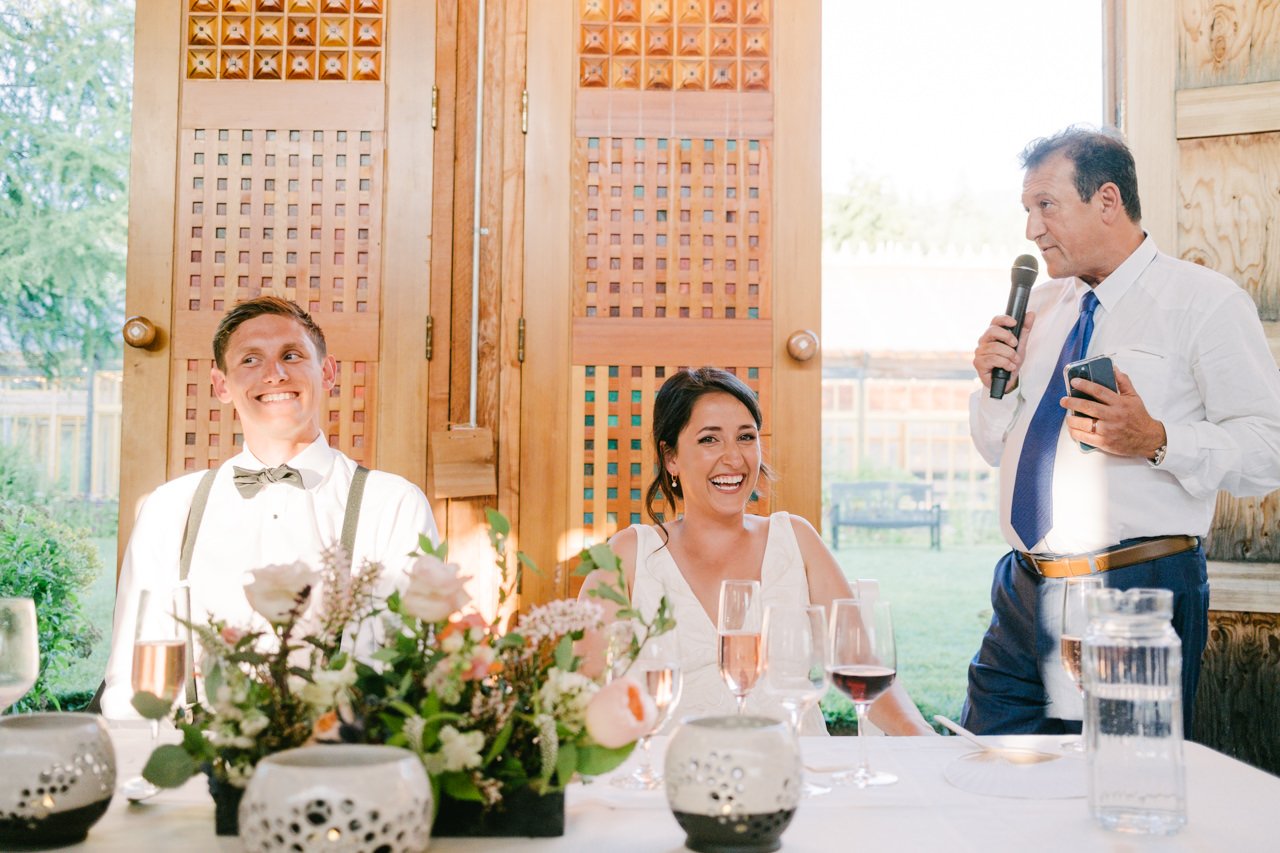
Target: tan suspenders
pixel 350 521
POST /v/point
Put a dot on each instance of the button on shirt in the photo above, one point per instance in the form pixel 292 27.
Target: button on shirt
pixel 1190 341
pixel 279 524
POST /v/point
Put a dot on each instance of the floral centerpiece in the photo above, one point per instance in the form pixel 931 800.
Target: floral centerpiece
pixel 266 690
pixel 502 717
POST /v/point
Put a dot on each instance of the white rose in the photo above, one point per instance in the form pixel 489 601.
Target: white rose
pixel 435 591
pixel 278 590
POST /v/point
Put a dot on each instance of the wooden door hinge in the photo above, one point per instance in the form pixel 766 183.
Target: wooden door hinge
pixel 430 332
pixel 520 341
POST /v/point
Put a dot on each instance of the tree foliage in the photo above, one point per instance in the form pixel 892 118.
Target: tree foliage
pixel 65 86
pixel 872 212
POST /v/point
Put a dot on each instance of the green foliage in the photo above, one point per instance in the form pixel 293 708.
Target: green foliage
pixel 65 87
pixel 51 563
pixel 869 212
pixel 19 479
pixel 872 211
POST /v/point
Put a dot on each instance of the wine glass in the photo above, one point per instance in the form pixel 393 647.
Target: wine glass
pixel 19 649
pixel 1075 618
pixel 794 643
pixel 738 626
pixel 863 665
pixel 159 660
pixel 657 668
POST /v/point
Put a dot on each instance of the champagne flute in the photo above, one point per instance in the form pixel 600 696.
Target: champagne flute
pixel 159 661
pixel 19 649
pixel 1075 618
pixel 794 642
pixel 738 626
pixel 863 665
pixel 657 668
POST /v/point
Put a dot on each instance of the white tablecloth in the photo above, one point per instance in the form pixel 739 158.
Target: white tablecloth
pixel 1231 807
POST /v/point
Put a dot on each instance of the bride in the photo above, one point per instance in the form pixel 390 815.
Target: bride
pixel 706 432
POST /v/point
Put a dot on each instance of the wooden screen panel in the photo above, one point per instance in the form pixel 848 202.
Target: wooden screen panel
pixel 672 228
pixel 208 432
pixel 284 39
pixel 682 45
pixel 1224 42
pixel 292 212
pixel 670 248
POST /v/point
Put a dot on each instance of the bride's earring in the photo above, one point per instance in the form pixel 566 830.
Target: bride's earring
pixel 675 483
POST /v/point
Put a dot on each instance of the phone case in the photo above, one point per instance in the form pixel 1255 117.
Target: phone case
pixel 1098 369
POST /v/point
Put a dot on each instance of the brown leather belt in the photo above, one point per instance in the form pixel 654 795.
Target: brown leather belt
pixel 1107 559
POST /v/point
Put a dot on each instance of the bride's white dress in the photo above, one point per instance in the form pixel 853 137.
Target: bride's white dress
pixel 782 581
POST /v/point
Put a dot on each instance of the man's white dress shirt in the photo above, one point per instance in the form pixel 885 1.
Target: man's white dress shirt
pixel 1191 342
pixel 280 524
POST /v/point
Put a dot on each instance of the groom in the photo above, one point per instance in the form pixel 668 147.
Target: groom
pixel 285 497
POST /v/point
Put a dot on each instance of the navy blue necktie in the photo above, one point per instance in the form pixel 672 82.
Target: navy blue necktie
pixel 1032 510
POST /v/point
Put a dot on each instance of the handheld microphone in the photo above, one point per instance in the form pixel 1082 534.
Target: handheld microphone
pixel 1024 272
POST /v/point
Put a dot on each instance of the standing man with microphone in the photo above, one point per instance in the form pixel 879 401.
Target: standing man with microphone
pixel 1196 409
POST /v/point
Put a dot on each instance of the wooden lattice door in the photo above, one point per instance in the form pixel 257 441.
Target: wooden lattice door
pixel 261 135
pixel 685 200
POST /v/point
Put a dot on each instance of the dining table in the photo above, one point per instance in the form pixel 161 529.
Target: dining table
pixel 945 799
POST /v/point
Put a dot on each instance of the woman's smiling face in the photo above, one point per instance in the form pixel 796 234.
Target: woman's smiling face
pixel 717 456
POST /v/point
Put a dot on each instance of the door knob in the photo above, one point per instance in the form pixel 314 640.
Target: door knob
pixel 139 332
pixel 802 345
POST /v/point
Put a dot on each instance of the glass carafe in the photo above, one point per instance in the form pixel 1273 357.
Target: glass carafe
pixel 1133 722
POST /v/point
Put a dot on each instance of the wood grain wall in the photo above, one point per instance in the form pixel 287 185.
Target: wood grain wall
pixel 1228 203
pixel 1239 688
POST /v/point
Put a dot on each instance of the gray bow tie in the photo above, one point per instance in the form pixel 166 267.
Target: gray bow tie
pixel 249 482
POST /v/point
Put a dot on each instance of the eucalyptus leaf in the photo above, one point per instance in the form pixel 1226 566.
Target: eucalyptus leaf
pixel 497 521
pixel 150 706
pixel 564 653
pixel 499 743
pixel 169 766
pixel 460 786
pixel 526 560
pixel 566 762
pixel 594 760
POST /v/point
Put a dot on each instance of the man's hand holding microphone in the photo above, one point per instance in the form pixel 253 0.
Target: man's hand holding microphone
pixel 997 357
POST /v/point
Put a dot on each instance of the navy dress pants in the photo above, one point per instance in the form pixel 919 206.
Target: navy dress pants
pixel 1016 681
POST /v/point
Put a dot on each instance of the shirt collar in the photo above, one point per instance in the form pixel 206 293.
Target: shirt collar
pixel 1113 288
pixel 314 462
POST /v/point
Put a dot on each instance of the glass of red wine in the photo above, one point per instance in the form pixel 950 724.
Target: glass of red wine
pixel 1075 618
pixel 863 664
pixel 738 627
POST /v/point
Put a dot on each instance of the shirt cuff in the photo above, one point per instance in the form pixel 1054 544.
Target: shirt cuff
pixel 1180 455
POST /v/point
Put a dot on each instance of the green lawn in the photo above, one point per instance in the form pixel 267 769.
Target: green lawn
pixel 941 607
pixel 99 602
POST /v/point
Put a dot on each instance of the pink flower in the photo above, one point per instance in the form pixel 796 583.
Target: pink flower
pixel 435 590
pixel 620 712
pixel 231 635
pixel 482 664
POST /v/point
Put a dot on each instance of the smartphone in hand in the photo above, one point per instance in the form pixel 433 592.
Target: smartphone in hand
pixel 1098 369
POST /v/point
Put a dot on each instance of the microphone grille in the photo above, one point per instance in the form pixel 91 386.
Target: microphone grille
pixel 1025 269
